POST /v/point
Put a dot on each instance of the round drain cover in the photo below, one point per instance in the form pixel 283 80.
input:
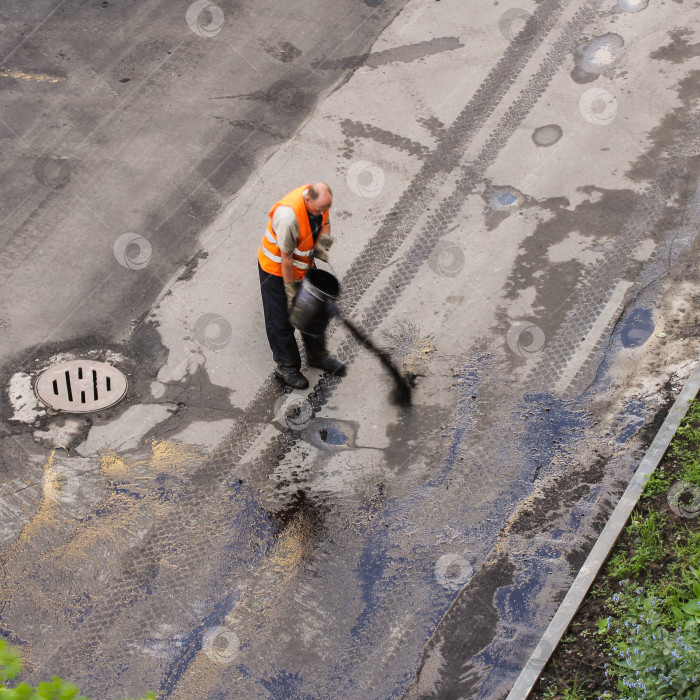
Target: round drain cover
pixel 81 386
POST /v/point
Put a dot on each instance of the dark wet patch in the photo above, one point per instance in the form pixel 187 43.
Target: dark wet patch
pixel 354 131
pixel 197 399
pixel 285 685
pixel 551 424
pixel 250 125
pixel 672 126
pixel 559 494
pixel 415 435
pixel 680 49
pixel 636 328
pixel 599 56
pixel 602 215
pixel 547 135
pixel 299 509
pixel 283 51
pixel 399 54
pixel 191 266
pixel 456 642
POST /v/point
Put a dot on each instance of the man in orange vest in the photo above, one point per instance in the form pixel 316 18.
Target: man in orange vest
pixel 298 230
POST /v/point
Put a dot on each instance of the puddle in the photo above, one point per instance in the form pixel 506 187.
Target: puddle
pixel 501 202
pixel 631 5
pixel 505 198
pixel 547 135
pixel 329 433
pixel 637 328
pixel 333 436
pixel 597 57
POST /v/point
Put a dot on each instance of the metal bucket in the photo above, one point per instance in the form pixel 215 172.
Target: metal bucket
pixel 310 312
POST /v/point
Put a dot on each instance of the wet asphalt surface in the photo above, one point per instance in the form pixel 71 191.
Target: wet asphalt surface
pixel 303 557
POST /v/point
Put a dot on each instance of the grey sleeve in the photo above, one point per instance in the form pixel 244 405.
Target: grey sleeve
pixel 286 228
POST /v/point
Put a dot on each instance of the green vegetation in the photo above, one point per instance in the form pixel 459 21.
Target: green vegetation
pixel 56 689
pixel 647 546
pixel 653 631
pixel 646 644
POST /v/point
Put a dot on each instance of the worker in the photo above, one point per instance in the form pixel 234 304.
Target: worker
pixel 298 230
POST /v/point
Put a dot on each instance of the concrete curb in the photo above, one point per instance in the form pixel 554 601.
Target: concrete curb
pixel 606 541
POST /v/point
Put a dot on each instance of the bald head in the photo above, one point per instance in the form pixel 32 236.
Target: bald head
pixel 319 198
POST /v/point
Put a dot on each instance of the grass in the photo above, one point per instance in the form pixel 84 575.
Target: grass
pixel 637 634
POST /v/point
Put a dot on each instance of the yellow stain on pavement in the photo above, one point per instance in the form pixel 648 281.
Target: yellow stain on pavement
pixel 52 484
pixel 171 454
pixel 33 77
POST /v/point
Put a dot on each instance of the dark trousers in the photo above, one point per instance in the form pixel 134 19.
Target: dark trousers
pixel 280 332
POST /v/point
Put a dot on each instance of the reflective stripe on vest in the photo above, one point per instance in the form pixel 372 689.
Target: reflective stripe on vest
pixel 278 259
pixel 269 253
pixel 272 238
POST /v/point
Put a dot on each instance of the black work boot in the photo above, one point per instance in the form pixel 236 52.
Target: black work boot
pixel 291 376
pixel 329 363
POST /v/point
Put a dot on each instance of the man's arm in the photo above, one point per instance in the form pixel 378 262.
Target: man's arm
pixel 286 228
pixel 287 266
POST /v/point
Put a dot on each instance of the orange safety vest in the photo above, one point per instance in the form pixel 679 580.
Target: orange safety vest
pixel 269 254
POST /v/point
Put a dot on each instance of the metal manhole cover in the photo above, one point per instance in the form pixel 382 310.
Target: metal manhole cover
pixel 81 386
